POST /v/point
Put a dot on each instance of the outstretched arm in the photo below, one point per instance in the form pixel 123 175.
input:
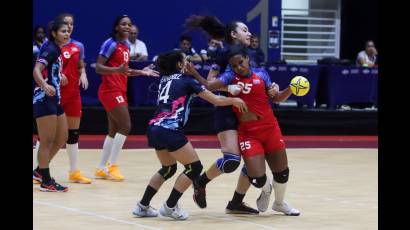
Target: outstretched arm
pixel 223 101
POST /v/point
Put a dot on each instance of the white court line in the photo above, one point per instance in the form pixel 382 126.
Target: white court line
pixel 243 221
pixel 94 214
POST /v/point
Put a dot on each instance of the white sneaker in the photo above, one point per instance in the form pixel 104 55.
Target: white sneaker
pixel 263 200
pixel 176 212
pixel 285 208
pixel 144 211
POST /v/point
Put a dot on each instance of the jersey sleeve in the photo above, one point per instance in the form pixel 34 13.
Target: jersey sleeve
pixel 82 52
pixel 107 48
pixel 226 77
pixel 194 86
pixel 47 55
pixel 265 77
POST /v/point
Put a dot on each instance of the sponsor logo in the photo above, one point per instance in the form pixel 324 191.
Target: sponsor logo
pixel 66 54
pixel 345 71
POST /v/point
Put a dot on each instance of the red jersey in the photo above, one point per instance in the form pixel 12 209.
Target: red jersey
pixel 71 54
pixel 254 94
pixel 117 53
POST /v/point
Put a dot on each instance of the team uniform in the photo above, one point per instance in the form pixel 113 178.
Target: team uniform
pixel 44 105
pixel 263 135
pixel 224 116
pixel 165 130
pixel 71 54
pixel 113 88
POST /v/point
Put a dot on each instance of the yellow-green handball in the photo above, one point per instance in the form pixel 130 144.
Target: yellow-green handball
pixel 299 85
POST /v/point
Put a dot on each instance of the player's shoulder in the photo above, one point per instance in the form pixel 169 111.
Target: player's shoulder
pixel 260 71
pixel 77 43
pixel 109 42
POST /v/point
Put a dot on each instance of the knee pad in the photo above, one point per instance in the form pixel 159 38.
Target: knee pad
pixel 258 182
pixel 168 171
pixel 281 177
pixel 193 170
pixel 73 135
pixel 228 163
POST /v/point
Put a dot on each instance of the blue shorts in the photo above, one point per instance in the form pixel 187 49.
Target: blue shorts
pixel 47 106
pixel 225 119
pixel 161 138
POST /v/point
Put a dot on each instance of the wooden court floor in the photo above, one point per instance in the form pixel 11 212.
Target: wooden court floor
pixel 333 189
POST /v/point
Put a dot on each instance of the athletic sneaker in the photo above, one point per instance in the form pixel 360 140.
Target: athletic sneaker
pixel 52 186
pixel 263 200
pixel 199 195
pixel 242 208
pixel 110 173
pixel 144 211
pixel 37 176
pixel 285 208
pixel 176 212
pixel 115 173
pixel 76 177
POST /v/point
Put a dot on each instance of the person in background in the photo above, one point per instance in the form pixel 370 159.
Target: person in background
pixel 185 44
pixel 138 49
pixel 367 57
pixel 256 55
pixel 39 39
pixel 210 53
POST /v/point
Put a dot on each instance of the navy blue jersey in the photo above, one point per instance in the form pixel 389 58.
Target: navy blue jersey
pixel 49 56
pixel 174 100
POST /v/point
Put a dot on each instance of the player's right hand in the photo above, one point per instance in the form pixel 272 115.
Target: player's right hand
pixel 189 69
pixel 240 104
pixel 49 90
pixel 63 80
pixel 122 69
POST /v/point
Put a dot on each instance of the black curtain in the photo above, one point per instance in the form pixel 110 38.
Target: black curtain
pixel 359 22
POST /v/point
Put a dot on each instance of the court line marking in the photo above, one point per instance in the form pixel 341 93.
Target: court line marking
pixel 243 221
pixel 93 214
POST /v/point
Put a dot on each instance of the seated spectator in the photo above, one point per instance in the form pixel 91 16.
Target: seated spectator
pixel 367 57
pixel 138 50
pixel 209 54
pixel 256 55
pixel 39 39
pixel 185 44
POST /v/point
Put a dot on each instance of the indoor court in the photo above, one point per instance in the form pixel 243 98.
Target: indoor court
pixel 334 188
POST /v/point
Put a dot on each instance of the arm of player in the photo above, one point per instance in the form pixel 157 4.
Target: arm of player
pixel 211 85
pixel 38 77
pixel 223 101
pixel 83 81
pixel 102 69
pixel 146 71
pixel 282 95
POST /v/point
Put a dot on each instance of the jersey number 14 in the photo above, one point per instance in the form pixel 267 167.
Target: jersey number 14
pixel 164 92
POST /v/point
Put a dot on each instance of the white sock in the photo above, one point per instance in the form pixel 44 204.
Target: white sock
pixel 106 151
pixel 119 141
pixel 72 150
pixel 35 159
pixel 267 186
pixel 280 190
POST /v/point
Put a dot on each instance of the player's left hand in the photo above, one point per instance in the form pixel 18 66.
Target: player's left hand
pixel 63 80
pixel 273 90
pixel 83 81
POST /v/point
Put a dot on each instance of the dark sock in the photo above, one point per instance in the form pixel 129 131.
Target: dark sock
pixel 173 198
pixel 237 198
pixel 203 180
pixel 149 193
pixel 45 175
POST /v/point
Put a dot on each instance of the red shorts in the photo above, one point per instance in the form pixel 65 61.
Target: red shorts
pixel 260 141
pixel 112 99
pixel 71 104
